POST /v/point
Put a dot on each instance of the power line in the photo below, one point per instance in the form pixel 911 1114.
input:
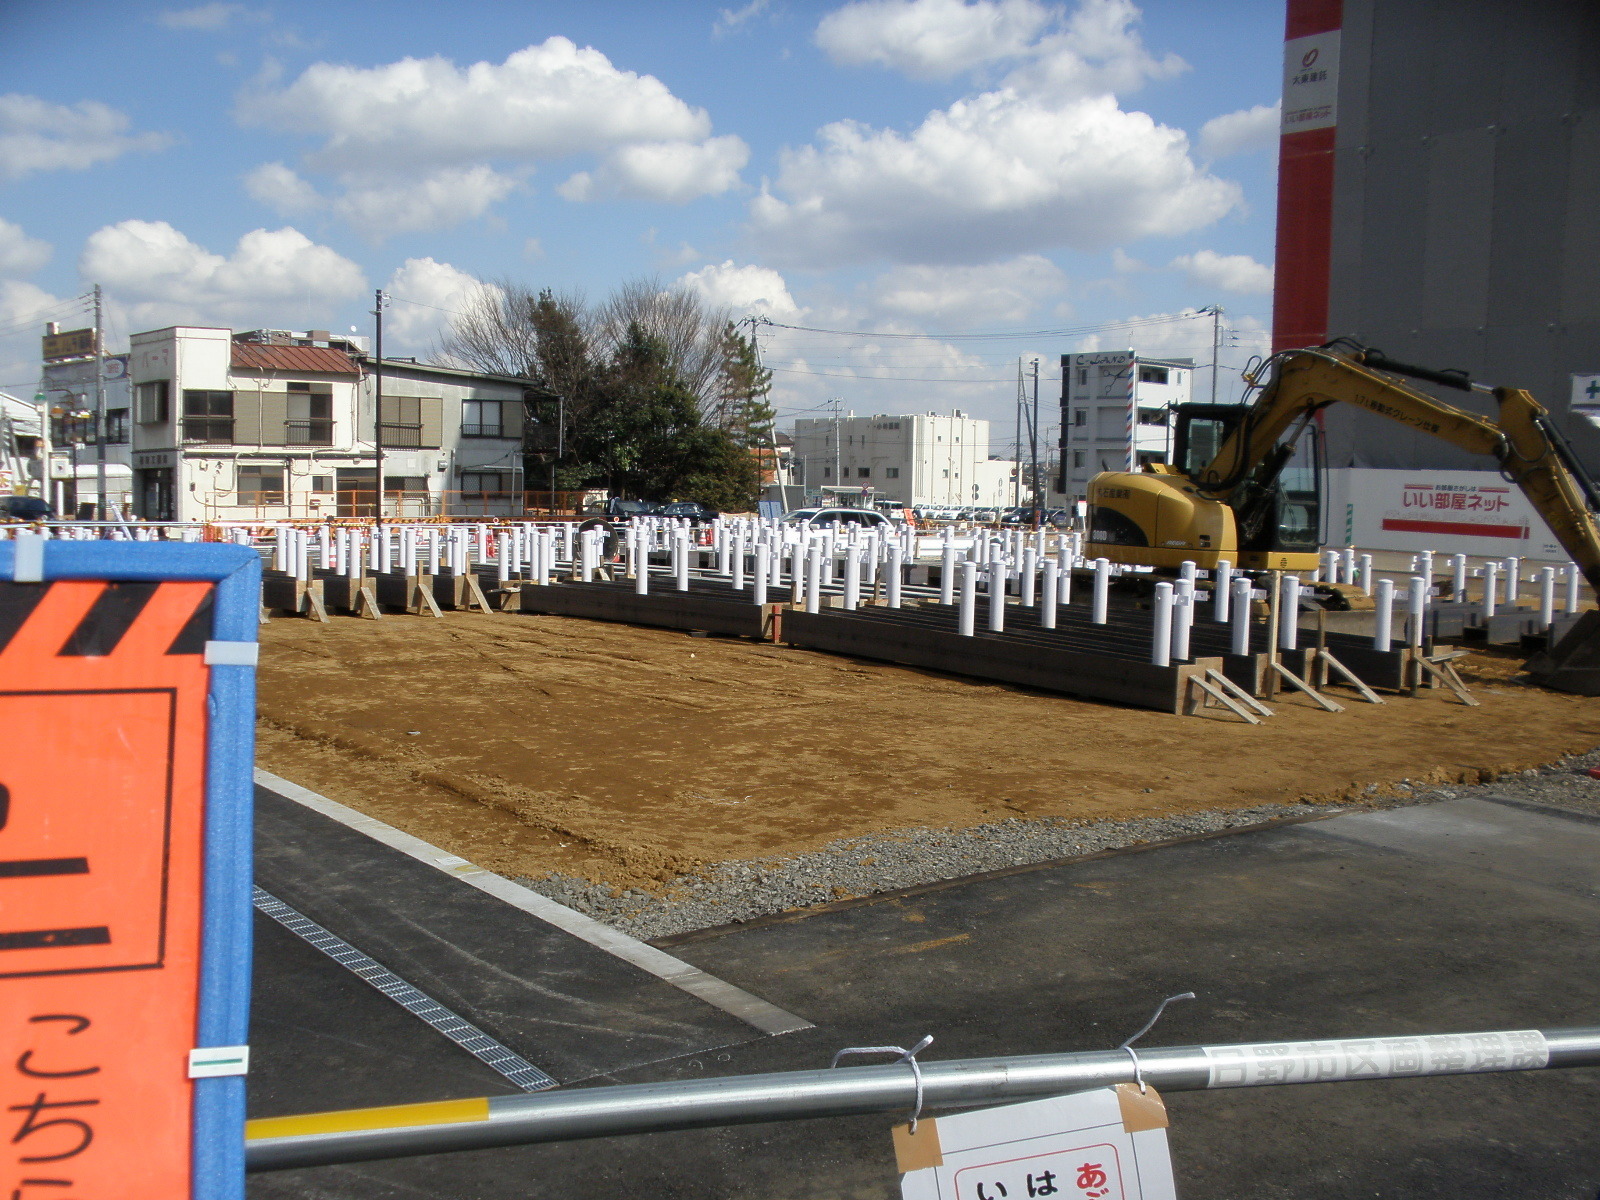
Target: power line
pixel 1072 331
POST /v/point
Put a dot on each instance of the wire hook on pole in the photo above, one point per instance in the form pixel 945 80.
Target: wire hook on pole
pixel 906 1056
pixel 1138 1074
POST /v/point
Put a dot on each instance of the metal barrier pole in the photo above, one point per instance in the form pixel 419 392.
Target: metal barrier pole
pixel 283 1143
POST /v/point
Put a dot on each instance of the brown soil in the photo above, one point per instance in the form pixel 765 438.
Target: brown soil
pixel 536 744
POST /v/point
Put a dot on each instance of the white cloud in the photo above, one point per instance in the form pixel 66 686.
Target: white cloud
pixel 1095 49
pixel 544 101
pixel 19 253
pixel 1001 173
pixel 24 309
pixel 277 277
pixel 445 197
pixel 36 135
pixel 673 172
pixel 931 39
pixel 731 20
pixel 281 189
pixel 206 18
pixel 1237 273
pixel 472 132
pixel 963 297
pixel 426 294
pixel 1240 132
pixel 749 290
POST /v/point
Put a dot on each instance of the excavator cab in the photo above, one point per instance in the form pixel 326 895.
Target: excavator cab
pixel 1279 506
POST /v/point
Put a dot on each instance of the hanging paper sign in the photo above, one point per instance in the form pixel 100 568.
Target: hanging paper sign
pixel 1108 1144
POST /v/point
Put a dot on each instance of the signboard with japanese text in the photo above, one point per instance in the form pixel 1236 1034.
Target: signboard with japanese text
pixel 1451 512
pixel 127 690
pixel 1108 1144
pixel 1311 82
pixel 75 343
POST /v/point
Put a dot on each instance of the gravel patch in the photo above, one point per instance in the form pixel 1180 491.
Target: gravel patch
pixel 853 867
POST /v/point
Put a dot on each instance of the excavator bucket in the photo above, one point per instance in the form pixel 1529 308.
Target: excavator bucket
pixel 1573 663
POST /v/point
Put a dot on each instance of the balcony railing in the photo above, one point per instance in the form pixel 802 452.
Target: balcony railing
pixel 318 431
pixel 402 437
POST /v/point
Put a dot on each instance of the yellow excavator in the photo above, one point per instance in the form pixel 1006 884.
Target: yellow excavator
pixel 1227 496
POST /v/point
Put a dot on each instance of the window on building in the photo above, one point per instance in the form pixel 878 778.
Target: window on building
pixel 947 472
pixel 117 426
pixel 1083 376
pixel 863 472
pixel 1080 416
pixel 150 401
pixel 405 483
pixel 891 472
pixel 1152 374
pixel 256 484
pixel 1152 416
pixel 827 472
pixel 207 416
pixel 310 415
pixel 402 422
pixel 1077 458
pixel 322 483
pixel 481 418
pixel 485 482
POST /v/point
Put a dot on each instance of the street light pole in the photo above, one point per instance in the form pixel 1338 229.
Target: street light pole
pixel 379 302
pixel 99 418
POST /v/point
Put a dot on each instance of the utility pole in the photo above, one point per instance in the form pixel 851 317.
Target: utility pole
pixel 1033 442
pixel 837 481
pixel 99 416
pixel 1216 341
pixel 379 303
pixel 1016 439
pixel 561 447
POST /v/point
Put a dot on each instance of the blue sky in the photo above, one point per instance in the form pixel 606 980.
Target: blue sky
pixel 879 167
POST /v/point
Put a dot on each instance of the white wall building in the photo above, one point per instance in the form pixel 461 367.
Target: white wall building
pixel 1115 413
pixel 911 458
pixel 272 424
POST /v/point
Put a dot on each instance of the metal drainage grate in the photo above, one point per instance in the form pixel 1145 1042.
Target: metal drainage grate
pixel 420 1005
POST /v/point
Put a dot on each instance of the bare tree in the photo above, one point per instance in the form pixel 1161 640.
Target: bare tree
pixel 494 331
pixel 689 331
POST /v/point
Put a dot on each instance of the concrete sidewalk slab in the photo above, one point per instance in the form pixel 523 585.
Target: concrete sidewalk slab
pixel 1295 932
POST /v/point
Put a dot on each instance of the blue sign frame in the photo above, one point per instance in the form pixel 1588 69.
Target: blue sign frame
pixel 225 942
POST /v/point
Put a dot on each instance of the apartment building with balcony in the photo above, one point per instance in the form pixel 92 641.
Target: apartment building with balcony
pixel 272 424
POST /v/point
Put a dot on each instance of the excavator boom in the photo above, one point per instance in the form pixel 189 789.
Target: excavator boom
pixel 1223 507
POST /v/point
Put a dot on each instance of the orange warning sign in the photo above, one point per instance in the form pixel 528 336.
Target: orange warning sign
pixel 103 707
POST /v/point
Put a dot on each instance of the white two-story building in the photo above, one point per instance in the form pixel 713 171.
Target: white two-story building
pixel 273 424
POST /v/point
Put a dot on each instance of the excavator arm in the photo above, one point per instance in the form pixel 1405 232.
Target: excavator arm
pixel 1530 450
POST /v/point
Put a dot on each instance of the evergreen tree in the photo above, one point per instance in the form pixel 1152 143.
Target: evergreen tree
pixel 743 385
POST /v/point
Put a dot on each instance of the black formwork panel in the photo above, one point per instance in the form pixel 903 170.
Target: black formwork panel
pixel 1112 666
pixel 707 607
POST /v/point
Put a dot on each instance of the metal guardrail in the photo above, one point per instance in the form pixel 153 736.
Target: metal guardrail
pixel 282 1143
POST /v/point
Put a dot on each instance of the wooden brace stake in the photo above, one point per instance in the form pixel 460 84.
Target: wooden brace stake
pixel 1213 693
pixel 367 605
pixel 1295 681
pixel 1233 689
pixel 1445 673
pixel 1326 658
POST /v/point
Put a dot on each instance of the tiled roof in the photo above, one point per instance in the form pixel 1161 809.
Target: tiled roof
pixel 306 360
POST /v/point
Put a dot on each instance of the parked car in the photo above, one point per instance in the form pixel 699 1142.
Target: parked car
pixel 692 509
pixel 26 508
pixel 823 517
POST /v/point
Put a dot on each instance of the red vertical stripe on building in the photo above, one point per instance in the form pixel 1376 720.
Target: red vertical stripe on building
pixel 1306 17
pixel 1305 207
pixel 1305 239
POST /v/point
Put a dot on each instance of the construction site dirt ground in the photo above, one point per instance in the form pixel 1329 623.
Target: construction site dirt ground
pixel 533 744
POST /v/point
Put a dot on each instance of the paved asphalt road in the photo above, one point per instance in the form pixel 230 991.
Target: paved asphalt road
pixel 1457 916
